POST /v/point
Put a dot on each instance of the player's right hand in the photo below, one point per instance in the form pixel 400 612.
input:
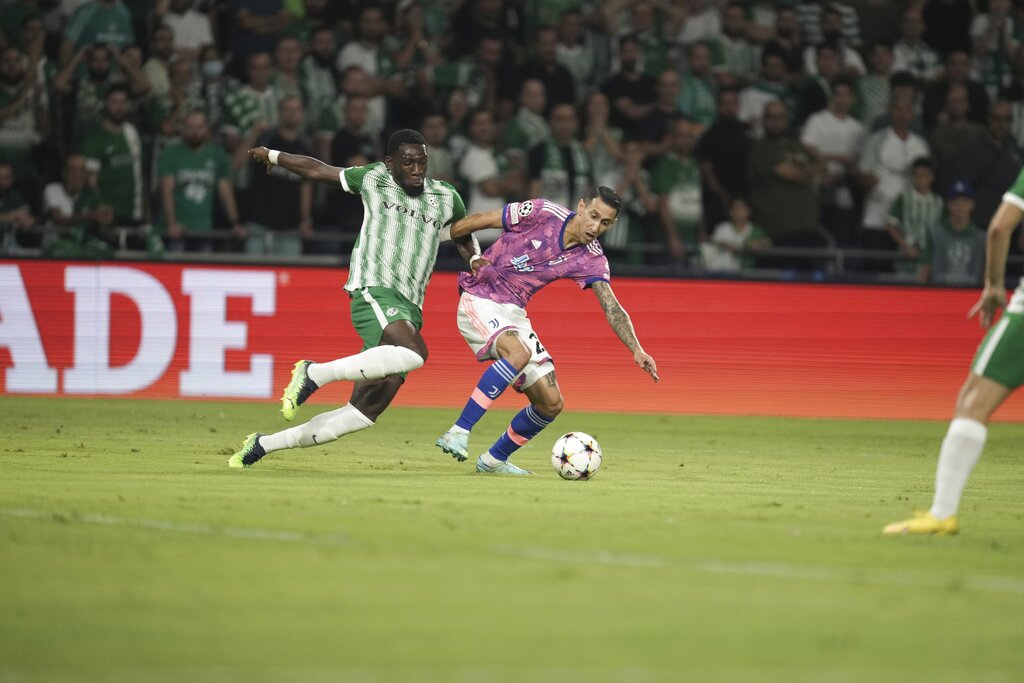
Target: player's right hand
pixel 993 299
pixel 260 155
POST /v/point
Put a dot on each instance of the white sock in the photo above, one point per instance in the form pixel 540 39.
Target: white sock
pixel 375 363
pixel 960 452
pixel 456 429
pixel 490 460
pixel 322 429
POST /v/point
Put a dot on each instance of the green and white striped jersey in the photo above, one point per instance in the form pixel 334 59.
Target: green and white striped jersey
pixel 397 243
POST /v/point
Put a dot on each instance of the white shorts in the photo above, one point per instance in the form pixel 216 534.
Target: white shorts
pixel 482 320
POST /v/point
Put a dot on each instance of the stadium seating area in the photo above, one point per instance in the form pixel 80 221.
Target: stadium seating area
pixel 859 141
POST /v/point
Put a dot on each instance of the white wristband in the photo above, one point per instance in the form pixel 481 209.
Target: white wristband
pixel 474 258
pixel 272 156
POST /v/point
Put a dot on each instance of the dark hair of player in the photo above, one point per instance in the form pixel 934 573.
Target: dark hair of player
pixel 406 136
pixel 606 195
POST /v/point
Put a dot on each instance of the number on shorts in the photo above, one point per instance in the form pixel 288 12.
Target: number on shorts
pixel 540 349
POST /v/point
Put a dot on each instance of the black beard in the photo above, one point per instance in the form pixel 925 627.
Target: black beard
pixel 325 62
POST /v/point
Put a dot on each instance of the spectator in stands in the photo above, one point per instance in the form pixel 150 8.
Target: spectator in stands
pixel 250 103
pixel 489 176
pixel 955 252
pixel 957 72
pixel 698 87
pixel 318 75
pixel 722 151
pixel 97 22
pixel 434 128
pixel 287 80
pixel 736 242
pixel 16 219
pixel 835 138
pixel 559 167
pixel 475 18
pixel 992 47
pixel 953 136
pixel 191 28
pixel 528 127
pixel 559 86
pixel 456 109
pixel 913 214
pixel 810 15
pixel 700 24
pixel 642 22
pixel 13 16
pixel 873 87
pixel 991 162
pixel 255 27
pixel 734 58
pixel 191 172
pixel 675 178
pixel 353 82
pixel 478 75
pixel 632 182
pixel 601 140
pixel 782 180
pixel 161 49
pixel 86 93
pixel 113 153
pixel 658 122
pixel 574 51
pixel 771 86
pixel 24 116
pixel 168 111
pixel 911 53
pixel 787 45
pixel 73 210
pixel 372 51
pixel 352 138
pixel 831 29
pixel 947 24
pixel 630 91
pixel 279 202
pixel 816 90
pixel 318 14
pixel 213 85
pixel 885 169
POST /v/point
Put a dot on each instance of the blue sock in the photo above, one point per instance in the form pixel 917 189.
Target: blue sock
pixel 525 425
pixel 492 384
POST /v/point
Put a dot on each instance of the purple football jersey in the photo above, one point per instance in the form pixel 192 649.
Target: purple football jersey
pixel 530 254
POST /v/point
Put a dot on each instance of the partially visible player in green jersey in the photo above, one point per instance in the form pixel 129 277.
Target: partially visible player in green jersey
pixel 997 370
pixel 406 216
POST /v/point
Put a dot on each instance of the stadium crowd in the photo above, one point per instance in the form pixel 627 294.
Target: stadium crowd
pixel 739 134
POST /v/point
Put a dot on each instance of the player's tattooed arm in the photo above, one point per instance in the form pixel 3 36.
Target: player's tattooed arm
pixel 620 323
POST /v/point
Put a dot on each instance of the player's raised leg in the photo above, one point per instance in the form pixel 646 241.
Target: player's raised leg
pixel 368 401
pixel 545 405
pixel 512 358
pixel 367 366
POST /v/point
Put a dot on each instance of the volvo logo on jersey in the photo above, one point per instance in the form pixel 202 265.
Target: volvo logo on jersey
pixel 413 213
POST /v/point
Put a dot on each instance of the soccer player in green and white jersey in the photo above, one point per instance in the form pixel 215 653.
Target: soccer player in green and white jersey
pixel 997 370
pixel 406 216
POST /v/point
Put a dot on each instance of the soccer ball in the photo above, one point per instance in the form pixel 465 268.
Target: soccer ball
pixel 576 456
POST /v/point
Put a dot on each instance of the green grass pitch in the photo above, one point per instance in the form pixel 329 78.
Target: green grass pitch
pixel 706 549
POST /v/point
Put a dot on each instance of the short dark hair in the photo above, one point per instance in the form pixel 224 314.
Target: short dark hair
pixel 844 81
pixel 923 162
pixel 606 195
pixel 406 136
pixel 902 79
pixel 118 87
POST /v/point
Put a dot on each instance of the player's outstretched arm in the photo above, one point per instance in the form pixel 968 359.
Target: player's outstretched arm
pixel 619 321
pixel 306 167
pixel 1000 230
pixel 476 221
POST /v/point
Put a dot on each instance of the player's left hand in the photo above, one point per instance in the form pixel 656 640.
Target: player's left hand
pixel 647 363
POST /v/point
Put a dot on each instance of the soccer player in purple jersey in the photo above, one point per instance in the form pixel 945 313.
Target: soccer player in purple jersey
pixel 543 242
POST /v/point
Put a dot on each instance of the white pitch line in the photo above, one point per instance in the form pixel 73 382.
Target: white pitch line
pixel 253 533
pixel 774 570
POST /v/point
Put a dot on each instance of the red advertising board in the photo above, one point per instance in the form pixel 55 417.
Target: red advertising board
pixel 226 332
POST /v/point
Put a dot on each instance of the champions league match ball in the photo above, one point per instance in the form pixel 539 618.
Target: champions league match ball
pixel 576 456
